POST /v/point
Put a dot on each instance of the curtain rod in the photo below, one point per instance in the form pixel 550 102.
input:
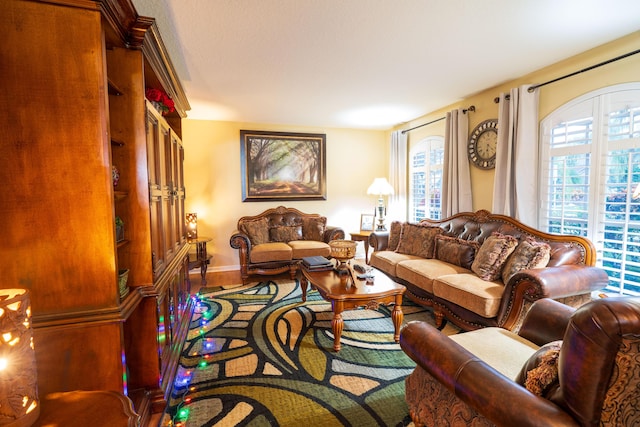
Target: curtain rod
pixel 609 61
pixel 471 108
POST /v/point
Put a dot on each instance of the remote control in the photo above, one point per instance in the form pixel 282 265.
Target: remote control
pixel 359 268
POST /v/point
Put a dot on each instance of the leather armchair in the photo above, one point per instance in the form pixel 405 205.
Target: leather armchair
pixel 598 369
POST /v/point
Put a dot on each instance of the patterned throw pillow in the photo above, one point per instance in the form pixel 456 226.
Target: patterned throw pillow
pixel 285 233
pixel 313 228
pixel 418 240
pixel 456 251
pixel 528 254
pixel 540 373
pixel 492 255
pixel 395 231
pixel 257 230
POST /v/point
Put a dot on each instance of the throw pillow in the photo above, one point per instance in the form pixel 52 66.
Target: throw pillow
pixel 257 230
pixel 313 228
pixel 492 255
pixel 285 233
pixel 418 240
pixel 395 231
pixel 528 254
pixel 456 251
pixel 540 373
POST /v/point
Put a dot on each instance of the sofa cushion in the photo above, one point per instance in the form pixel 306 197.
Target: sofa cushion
pixel 273 251
pixel 313 228
pixel 285 233
pixel 418 240
pixel 503 350
pixel 528 254
pixel 257 230
pixel 304 248
pixel 386 261
pixel 421 272
pixel 395 231
pixel 492 255
pixel 456 251
pixel 471 292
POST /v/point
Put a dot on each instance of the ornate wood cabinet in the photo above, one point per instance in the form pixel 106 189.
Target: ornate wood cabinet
pixel 74 75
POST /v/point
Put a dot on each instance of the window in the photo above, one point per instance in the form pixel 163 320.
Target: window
pixel 591 178
pixel 425 182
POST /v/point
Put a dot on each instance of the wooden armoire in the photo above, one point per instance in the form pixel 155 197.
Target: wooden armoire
pixel 73 75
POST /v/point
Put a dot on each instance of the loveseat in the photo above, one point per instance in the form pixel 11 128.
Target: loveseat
pixel 565 367
pixel 477 269
pixel 275 241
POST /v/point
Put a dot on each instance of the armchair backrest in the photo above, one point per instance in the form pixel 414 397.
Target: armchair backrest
pixel 599 363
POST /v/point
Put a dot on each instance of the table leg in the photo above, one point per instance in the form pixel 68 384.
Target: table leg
pixel 337 324
pixel 303 285
pixel 397 315
pixel 366 250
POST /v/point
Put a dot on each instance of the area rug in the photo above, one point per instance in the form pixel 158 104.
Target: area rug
pixel 256 355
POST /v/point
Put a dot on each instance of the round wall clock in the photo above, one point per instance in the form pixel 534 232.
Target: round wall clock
pixel 482 144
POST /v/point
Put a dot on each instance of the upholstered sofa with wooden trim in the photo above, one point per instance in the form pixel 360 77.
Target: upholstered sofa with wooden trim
pixel 565 367
pixel 275 241
pixel 479 269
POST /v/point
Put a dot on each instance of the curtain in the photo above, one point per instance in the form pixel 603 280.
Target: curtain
pixel 398 174
pixel 515 186
pixel 456 178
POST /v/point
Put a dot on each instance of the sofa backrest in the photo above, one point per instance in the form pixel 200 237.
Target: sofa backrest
pixel 301 225
pixel 565 249
pixel 599 363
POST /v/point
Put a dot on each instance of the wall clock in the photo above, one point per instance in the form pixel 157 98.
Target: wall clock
pixel 482 144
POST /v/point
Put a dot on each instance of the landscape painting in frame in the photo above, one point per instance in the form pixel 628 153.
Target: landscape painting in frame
pixel 282 166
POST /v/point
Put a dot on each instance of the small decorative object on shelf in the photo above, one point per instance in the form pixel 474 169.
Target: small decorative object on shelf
pixel 123 276
pixel 343 251
pixel 18 372
pixel 115 175
pixel 160 100
pixel 119 229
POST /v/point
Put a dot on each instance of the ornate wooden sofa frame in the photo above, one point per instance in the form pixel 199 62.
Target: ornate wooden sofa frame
pixel 275 241
pixel 460 296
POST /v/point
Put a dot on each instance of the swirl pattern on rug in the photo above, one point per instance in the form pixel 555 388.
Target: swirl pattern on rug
pixel 256 355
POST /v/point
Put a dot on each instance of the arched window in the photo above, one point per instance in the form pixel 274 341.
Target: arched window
pixel 425 179
pixel 590 183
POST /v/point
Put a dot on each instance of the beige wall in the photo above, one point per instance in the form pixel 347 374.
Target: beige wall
pixel 355 157
pixel 214 186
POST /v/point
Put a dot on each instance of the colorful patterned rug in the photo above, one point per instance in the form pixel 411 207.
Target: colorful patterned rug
pixel 256 355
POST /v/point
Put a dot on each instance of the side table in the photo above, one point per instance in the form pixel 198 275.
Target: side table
pixel 200 258
pixel 362 236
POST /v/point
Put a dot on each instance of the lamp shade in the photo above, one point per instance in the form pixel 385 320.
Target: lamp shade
pixel 380 187
pixel 19 406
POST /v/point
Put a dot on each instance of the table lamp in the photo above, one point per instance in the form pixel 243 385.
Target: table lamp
pixel 18 374
pixel 192 225
pixel 381 188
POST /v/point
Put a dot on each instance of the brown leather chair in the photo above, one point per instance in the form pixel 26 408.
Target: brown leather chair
pixel 598 369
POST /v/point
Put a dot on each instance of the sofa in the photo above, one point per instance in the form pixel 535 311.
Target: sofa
pixel 275 241
pixel 477 269
pixel 565 367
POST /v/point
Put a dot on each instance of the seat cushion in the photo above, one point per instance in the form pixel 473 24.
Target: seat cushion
pixel 471 292
pixel 386 261
pixel 267 252
pixel 304 248
pixel 422 272
pixel 503 350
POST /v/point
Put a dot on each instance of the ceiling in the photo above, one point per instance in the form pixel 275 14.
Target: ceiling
pixel 369 64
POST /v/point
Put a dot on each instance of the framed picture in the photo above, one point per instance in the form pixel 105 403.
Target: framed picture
pixel 282 166
pixel 366 222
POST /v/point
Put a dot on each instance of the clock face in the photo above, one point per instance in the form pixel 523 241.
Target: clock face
pixel 483 144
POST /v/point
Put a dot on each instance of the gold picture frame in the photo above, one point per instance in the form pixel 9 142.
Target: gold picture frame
pixel 367 222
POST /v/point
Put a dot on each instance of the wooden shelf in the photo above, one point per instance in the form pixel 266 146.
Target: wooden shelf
pixel 117 143
pixel 113 88
pixel 119 195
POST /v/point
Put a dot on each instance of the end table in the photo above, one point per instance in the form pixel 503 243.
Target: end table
pixel 362 236
pixel 200 258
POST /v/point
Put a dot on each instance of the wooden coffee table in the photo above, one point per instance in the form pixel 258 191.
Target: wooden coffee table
pixel 343 294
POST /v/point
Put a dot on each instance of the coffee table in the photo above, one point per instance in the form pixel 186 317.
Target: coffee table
pixel 346 293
